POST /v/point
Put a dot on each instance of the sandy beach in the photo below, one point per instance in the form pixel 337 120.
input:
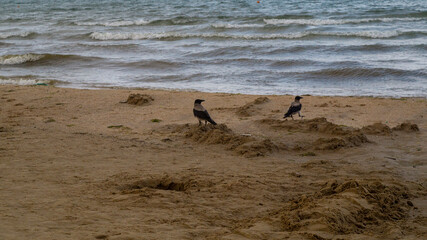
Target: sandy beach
pixel 88 164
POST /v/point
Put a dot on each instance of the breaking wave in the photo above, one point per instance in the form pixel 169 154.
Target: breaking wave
pixel 51 59
pixel 317 22
pixel 295 35
pixel 141 22
pixel 365 34
pixel 19 59
pixel 172 36
pixel 12 35
pixel 232 26
pixel 25 80
pixel 114 23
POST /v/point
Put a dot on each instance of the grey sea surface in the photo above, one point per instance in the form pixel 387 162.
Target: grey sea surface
pixel 338 48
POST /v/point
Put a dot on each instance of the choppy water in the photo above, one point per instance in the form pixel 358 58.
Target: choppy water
pixel 345 47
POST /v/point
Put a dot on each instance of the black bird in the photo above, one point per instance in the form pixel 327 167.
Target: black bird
pixel 201 113
pixel 294 108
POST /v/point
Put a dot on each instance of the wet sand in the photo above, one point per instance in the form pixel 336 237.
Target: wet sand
pixel 83 164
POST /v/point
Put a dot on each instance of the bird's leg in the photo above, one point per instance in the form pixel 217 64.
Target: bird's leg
pixel 206 122
pixel 292 117
pixel 200 122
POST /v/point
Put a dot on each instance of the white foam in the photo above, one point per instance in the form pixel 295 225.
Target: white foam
pixel 142 36
pixel 115 23
pixel 128 36
pixel 317 22
pixel 22 81
pixel 295 35
pixel 9 35
pixel 227 25
pixel 368 34
pixel 19 59
pixel 87 23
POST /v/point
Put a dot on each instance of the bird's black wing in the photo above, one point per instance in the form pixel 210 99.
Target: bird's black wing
pixel 293 109
pixel 203 115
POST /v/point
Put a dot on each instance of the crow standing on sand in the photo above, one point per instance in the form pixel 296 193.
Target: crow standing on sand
pixel 294 108
pixel 201 113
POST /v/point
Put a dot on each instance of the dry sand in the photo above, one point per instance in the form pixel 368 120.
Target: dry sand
pixel 81 164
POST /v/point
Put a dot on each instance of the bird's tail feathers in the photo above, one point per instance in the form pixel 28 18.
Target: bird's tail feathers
pixel 212 122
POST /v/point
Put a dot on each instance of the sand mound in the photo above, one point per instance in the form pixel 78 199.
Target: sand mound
pixel 139 99
pixel 222 135
pixel 329 143
pixel 335 136
pixel 217 134
pixel 320 125
pixel 407 127
pixel 382 129
pixel 249 109
pixel 256 148
pixel 351 140
pixel 346 208
pixel 160 183
pixel 377 129
pixel 321 105
pixel 356 139
pixel 261 100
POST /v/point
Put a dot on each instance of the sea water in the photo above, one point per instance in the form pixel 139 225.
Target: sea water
pixel 346 47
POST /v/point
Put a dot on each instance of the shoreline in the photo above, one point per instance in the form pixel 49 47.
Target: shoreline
pixel 81 164
pixel 58 83
pixel 62 84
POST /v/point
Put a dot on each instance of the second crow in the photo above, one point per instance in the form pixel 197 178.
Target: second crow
pixel 294 108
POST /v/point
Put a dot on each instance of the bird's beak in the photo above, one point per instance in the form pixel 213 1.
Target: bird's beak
pixel 201 100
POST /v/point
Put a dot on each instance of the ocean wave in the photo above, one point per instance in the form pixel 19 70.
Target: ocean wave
pixel 109 46
pixel 114 23
pixel 361 73
pixel 143 36
pixel 12 35
pixel 317 22
pixel 43 58
pixel 295 35
pixel 366 34
pixel 6 44
pixel 223 51
pixel 233 26
pixel 177 21
pixel 378 47
pixel 154 64
pixel 253 62
pixel 19 59
pixel 24 80
pixel 140 22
